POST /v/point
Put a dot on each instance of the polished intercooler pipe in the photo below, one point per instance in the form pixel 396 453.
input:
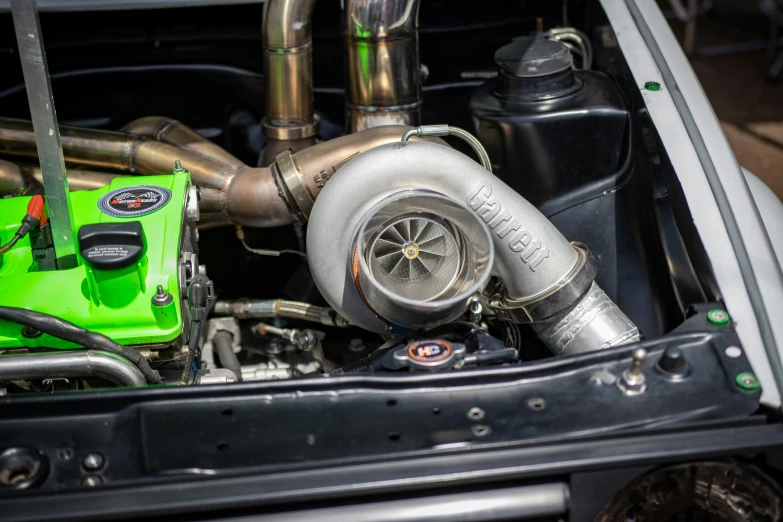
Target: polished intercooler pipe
pixel 88 363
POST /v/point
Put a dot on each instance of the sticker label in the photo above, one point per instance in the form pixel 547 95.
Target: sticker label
pixel 429 351
pixel 134 201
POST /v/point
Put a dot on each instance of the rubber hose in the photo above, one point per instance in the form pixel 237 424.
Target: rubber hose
pixel 224 350
pixel 66 331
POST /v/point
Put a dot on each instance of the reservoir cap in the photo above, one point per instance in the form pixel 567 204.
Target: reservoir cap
pixel 532 58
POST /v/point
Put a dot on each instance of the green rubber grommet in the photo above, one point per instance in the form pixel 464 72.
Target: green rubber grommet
pixel 746 381
pixel 718 317
pixel 652 86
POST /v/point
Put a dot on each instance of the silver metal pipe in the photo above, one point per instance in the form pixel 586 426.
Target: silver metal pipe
pixel 89 363
pixel 542 273
pixel 572 331
pixel 288 70
pixel 266 308
pixel 426 131
pixel 383 73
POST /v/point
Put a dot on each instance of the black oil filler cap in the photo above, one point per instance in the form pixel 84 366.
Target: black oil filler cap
pixel 109 246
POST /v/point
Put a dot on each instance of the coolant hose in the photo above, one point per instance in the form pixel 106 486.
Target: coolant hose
pixel 66 331
pixel 224 350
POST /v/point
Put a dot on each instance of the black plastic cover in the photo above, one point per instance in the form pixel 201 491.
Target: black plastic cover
pixel 110 246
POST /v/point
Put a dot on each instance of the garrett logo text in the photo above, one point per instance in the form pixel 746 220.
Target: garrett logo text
pixel 502 223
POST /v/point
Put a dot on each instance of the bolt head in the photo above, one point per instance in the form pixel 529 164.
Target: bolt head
pixel 747 381
pixel 718 317
pixel 93 461
pixel 91 481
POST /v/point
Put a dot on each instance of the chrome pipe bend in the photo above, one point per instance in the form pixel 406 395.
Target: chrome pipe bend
pixel 86 363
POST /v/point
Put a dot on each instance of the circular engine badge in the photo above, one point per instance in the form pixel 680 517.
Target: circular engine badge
pixel 430 350
pixel 134 201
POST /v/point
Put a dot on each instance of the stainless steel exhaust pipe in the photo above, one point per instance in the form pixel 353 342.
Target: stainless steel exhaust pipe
pixel 383 73
pixel 89 363
pixel 231 191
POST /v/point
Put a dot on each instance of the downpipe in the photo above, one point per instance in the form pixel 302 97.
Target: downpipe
pixel 546 280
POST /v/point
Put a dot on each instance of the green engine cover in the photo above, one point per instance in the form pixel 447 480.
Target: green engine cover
pixel 117 303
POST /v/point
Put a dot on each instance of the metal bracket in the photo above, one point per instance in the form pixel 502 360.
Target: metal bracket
pixel 47 132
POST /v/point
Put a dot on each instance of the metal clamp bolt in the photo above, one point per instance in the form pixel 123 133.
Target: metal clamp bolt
pixel 632 381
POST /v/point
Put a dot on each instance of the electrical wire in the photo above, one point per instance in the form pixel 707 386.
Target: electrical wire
pixel 189 372
pixel 8 246
pixel 62 329
pixel 34 216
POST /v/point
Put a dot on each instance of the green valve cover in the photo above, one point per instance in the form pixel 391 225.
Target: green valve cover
pixel 112 299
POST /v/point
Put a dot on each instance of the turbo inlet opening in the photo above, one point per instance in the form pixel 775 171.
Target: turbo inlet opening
pixel 420 258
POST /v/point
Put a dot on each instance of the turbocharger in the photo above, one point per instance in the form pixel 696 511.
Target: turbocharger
pixel 408 233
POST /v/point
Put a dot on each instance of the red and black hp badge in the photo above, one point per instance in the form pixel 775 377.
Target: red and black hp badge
pixel 134 201
pixel 430 350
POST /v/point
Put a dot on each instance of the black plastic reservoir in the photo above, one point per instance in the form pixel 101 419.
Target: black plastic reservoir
pixel 554 134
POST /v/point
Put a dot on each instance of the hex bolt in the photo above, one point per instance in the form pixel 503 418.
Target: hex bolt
pixel 632 381
pixel 178 168
pixel 161 297
pixel 93 462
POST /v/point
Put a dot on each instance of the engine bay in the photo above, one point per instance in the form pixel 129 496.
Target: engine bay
pixel 383 189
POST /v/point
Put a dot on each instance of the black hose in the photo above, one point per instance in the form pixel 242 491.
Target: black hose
pixel 66 331
pixel 223 346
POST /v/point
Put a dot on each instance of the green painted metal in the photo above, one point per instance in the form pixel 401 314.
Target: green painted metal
pixel 116 303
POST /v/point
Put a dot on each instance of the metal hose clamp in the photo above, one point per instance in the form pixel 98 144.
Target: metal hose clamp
pixel 556 299
pixel 292 178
